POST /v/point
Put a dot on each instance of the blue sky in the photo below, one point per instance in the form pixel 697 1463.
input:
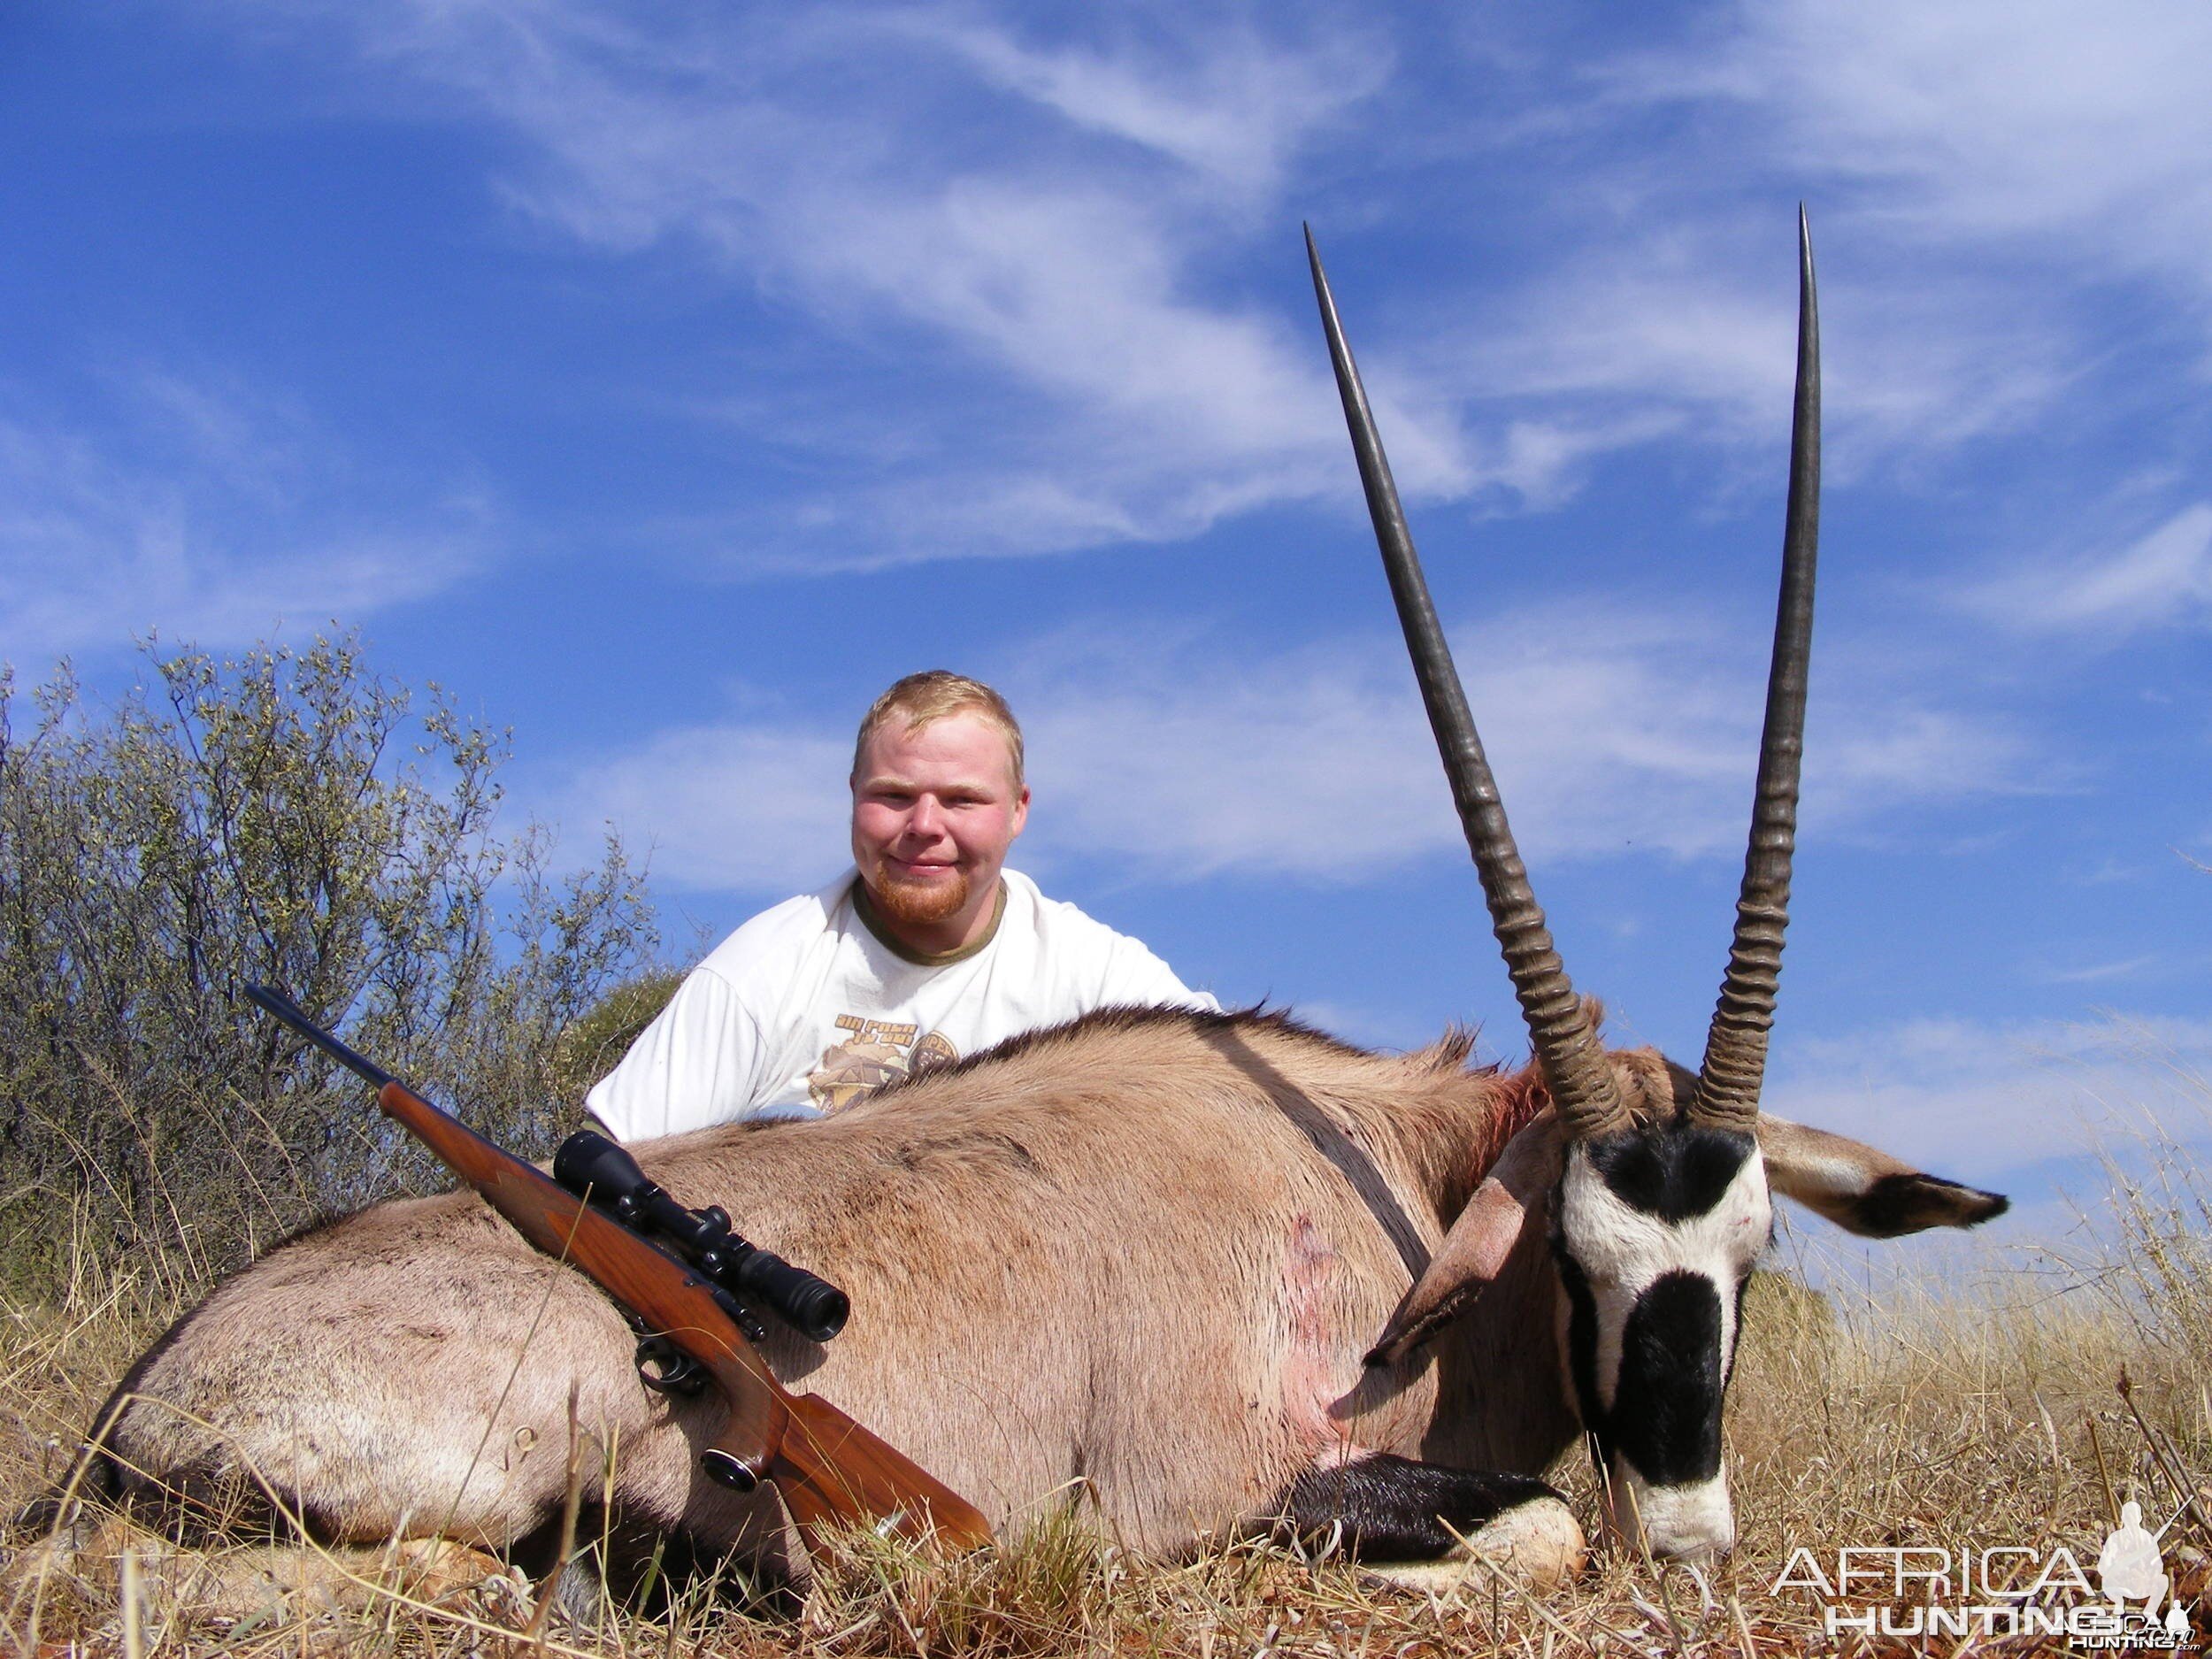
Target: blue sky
pixel 666 379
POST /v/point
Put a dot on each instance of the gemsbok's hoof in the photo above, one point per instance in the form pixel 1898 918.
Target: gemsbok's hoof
pixel 1537 1545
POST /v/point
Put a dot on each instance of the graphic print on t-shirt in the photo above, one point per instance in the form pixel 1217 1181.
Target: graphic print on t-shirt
pixel 876 1052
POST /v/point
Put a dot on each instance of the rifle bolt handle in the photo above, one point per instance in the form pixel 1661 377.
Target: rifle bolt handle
pixel 729 1470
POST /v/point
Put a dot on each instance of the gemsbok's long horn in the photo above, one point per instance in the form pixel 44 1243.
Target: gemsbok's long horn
pixel 1736 1047
pixel 1587 1099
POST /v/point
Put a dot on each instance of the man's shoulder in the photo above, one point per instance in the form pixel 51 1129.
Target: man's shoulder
pixel 776 932
pixel 1027 903
pixel 1062 929
pixel 1088 963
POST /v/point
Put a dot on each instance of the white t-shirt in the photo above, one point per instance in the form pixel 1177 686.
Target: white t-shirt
pixel 805 1009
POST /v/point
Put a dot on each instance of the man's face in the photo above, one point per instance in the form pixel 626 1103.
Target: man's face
pixel 934 812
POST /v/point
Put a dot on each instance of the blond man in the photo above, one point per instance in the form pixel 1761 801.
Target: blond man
pixel 926 950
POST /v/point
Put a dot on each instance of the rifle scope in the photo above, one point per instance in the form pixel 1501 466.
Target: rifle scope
pixel 590 1166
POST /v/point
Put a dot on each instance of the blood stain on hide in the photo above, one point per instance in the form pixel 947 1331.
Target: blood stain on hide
pixel 1310 1383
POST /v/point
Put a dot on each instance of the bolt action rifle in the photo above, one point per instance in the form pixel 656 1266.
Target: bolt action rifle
pixel 828 1469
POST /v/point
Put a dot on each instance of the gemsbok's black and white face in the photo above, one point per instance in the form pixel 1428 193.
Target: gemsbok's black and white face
pixel 1652 1181
pixel 1655 1233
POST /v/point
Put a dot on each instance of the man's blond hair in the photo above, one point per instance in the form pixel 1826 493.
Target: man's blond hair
pixel 922 699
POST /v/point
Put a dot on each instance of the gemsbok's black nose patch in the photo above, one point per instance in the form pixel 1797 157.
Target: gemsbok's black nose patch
pixel 1665 1418
pixel 1673 1171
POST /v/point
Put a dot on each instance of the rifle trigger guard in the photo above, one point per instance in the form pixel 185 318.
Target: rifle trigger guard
pixel 666 1369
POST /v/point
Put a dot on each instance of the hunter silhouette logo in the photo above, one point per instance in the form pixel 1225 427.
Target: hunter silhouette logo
pixel 2130 1568
pixel 2001 1590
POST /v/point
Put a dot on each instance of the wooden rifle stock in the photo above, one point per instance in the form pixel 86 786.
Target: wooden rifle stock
pixel 828 1469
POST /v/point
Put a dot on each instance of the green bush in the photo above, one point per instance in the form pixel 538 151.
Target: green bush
pixel 289 817
pixel 589 1047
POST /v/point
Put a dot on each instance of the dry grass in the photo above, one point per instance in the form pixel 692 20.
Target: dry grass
pixel 2019 1405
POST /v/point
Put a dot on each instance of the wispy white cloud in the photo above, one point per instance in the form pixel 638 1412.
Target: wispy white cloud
pixel 189 505
pixel 1044 221
pixel 1609 732
pixel 2093 1127
pixel 738 807
pixel 1236 110
pixel 2029 121
pixel 1878 750
pixel 1052 212
pixel 2103 597
pixel 1047 214
pixel 1980 174
pixel 2001 197
pixel 1982 1101
pixel 1708 348
pixel 2100 972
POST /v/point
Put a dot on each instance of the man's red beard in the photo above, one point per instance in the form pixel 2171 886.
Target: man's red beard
pixel 920 904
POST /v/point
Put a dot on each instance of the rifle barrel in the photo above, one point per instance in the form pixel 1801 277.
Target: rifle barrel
pixel 291 1013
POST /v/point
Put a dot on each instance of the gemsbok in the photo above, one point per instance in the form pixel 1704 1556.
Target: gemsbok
pixel 1195 1274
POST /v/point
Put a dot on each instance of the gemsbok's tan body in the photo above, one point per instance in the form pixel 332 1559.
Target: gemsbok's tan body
pixel 1133 1264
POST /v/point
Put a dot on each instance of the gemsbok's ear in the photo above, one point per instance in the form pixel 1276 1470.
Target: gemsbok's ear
pixel 1864 1190
pixel 1512 1198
